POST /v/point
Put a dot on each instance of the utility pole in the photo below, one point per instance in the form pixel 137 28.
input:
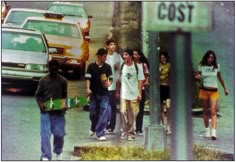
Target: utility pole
pixel 181 96
pixel 155 138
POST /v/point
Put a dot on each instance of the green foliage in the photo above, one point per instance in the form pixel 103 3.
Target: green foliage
pixel 122 153
pixel 200 152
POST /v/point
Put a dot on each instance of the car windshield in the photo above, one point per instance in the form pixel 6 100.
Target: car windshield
pixel 54 28
pixel 22 41
pixel 18 17
pixel 68 10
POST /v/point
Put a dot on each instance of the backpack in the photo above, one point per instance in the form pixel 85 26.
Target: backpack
pixel 135 65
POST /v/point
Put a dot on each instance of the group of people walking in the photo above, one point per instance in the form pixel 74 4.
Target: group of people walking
pixel 125 78
pixel 113 77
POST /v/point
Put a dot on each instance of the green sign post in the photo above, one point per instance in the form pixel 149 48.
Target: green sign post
pixel 179 19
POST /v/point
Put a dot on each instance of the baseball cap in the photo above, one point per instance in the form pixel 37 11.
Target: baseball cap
pixel 101 51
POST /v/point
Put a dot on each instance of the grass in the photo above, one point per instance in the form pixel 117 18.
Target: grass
pixel 139 153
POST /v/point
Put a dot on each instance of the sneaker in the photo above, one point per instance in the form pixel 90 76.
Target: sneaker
pixel 59 157
pixel 213 134
pixel 123 136
pixel 130 138
pixel 91 133
pixel 207 134
pixel 139 133
pixel 101 138
pixel 109 131
pixel 168 131
pixel 44 159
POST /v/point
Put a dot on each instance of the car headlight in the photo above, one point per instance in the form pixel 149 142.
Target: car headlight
pixel 36 67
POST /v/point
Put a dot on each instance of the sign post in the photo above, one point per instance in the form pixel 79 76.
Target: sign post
pixel 180 19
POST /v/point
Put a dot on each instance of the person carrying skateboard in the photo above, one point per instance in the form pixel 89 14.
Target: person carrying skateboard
pixel 53 85
pixel 98 79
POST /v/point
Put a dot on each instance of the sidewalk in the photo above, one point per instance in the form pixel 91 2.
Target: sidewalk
pixel 225 141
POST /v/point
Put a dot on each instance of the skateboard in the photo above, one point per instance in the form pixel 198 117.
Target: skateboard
pixel 65 103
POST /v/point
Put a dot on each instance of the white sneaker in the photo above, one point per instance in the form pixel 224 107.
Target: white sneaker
pixel 130 138
pixel 168 131
pixel 213 134
pixel 123 136
pixel 59 157
pixel 102 138
pixel 207 134
pixel 44 159
pixel 91 133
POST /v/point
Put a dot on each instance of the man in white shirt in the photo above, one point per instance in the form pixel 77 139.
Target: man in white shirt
pixel 114 60
pixel 131 77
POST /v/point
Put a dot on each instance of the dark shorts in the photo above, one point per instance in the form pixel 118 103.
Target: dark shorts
pixel 164 92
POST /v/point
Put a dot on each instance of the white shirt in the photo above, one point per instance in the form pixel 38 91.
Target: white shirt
pixel 129 81
pixel 209 75
pixel 113 59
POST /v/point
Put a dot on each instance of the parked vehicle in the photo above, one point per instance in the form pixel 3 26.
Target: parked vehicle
pixel 70 47
pixel 75 12
pixel 24 56
pixel 16 16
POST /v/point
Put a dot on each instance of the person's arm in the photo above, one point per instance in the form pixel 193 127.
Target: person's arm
pixel 118 86
pixel 38 94
pixel 140 85
pixel 88 90
pixel 222 83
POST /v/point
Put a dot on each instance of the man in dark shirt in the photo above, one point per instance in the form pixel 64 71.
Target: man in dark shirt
pixel 53 86
pixel 98 79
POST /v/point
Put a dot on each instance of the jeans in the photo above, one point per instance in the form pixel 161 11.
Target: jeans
pixel 112 99
pixel 52 123
pixel 99 113
pixel 139 118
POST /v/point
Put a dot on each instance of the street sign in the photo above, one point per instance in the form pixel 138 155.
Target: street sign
pixel 174 16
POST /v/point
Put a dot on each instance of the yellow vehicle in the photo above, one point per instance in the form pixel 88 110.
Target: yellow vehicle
pixel 74 12
pixel 65 40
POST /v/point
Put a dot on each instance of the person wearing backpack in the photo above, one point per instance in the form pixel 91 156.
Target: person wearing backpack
pixel 140 59
pixel 129 90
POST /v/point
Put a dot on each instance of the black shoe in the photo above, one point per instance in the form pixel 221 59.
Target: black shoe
pixel 213 138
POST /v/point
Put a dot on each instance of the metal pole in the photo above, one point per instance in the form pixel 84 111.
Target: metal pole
pixel 155 138
pixel 154 80
pixel 181 96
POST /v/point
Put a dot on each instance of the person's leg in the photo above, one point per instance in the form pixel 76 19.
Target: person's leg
pixel 112 121
pixel 45 132
pixel 213 109
pixel 132 114
pixel 204 97
pixel 123 118
pixel 93 115
pixel 162 99
pixel 139 118
pixel 104 110
pixel 168 116
pixel 58 130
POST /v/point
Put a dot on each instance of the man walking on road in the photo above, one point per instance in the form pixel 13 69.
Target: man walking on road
pixel 53 86
pixel 131 77
pixel 98 79
pixel 114 60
